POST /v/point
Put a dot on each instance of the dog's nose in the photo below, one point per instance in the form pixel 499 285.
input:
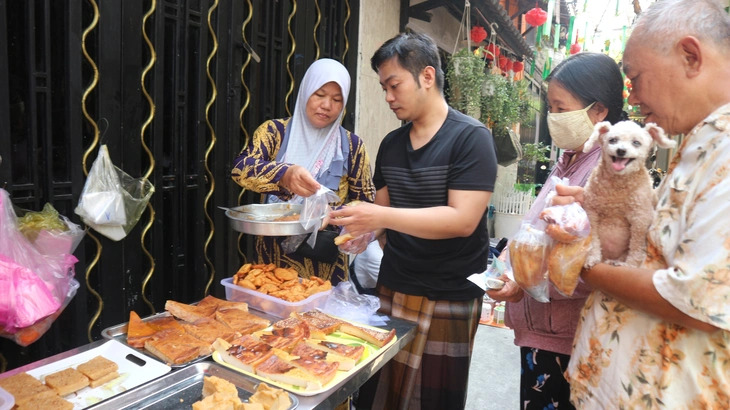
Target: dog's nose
pixel 620 152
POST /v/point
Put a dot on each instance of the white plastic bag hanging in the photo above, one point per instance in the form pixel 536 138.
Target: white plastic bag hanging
pixel 112 201
pixel 101 201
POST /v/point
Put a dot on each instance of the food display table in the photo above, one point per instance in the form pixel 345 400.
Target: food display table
pixel 405 332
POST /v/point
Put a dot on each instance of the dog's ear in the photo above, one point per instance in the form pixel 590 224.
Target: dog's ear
pixel 600 129
pixel 657 134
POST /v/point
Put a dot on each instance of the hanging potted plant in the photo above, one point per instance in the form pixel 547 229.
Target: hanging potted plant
pixel 465 75
pixel 503 104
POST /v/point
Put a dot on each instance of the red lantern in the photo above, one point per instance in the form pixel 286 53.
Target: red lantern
pixel 536 17
pixel 478 34
pixel 505 64
pixel 492 51
pixel 518 66
pixel 575 48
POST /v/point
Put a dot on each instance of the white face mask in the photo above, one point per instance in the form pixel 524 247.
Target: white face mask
pixel 569 130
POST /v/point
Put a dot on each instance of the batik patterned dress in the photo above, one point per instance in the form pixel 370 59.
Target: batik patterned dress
pixel 256 169
pixel 624 358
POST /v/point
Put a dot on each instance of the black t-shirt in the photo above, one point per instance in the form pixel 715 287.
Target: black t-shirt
pixel 461 156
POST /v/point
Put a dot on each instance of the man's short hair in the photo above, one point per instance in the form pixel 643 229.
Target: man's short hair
pixel 665 21
pixel 414 52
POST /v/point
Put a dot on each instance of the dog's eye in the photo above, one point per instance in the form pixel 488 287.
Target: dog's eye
pixel 636 143
pixel 612 140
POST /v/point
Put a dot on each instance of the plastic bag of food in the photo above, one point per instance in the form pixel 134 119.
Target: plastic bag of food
pixel 29 334
pixel 527 259
pixel 50 232
pixel 569 226
pixel 566 223
pixel 112 201
pixel 33 285
pixel 565 263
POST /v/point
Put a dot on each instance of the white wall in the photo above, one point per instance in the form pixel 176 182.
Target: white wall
pixel 379 20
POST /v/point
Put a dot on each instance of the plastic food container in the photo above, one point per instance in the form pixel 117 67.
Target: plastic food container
pixel 272 305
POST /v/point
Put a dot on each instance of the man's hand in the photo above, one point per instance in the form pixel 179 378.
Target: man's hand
pixel 568 194
pixel 358 220
pixel 299 181
pixel 511 292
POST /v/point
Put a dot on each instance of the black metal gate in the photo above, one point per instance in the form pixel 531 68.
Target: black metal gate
pixel 173 88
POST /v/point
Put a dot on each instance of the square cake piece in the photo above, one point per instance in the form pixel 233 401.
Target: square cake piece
pixel 53 401
pixel 23 387
pixel 67 381
pixel 97 367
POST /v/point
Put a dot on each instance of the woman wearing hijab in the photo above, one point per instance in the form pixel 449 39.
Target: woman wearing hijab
pixel 289 159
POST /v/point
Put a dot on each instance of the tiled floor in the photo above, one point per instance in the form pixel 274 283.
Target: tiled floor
pixel 494 376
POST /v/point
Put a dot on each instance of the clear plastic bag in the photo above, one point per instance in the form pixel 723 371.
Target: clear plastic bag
pixel 569 227
pixel 112 201
pixel 565 263
pixel 527 258
pixel 356 245
pixel 34 286
pixel 345 302
pixel 566 223
pixel 315 210
pixel 50 232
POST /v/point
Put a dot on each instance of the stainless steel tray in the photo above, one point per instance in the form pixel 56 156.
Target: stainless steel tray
pixel 259 219
pixel 181 388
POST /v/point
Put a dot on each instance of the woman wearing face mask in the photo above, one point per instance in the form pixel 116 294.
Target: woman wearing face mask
pixel 289 159
pixel 583 90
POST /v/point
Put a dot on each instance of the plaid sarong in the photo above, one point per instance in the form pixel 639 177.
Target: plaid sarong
pixel 432 371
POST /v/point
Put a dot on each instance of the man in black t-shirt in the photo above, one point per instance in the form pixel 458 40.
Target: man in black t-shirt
pixel 434 178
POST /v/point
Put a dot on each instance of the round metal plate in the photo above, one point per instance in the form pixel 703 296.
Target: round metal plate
pixel 259 219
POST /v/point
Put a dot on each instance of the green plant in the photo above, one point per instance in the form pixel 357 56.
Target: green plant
pixel 535 152
pixel 504 103
pixel 465 75
pixel 532 154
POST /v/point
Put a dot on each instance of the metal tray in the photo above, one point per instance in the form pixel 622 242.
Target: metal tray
pixel 370 354
pixel 258 219
pixel 181 388
pixel 119 333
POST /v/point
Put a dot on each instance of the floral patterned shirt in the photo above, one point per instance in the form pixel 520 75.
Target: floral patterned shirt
pixel 623 358
pixel 256 169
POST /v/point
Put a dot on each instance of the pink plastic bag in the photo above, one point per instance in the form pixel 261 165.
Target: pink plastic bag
pixel 33 285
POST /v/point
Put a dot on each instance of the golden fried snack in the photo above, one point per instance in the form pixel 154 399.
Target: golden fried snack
pixel 339 240
pixel 560 234
pixel 566 223
pixel 283 283
pixel 285 274
pixel 565 262
pixel 527 263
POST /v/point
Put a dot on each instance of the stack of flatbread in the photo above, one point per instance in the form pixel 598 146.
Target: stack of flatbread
pixel 296 350
pixel 192 329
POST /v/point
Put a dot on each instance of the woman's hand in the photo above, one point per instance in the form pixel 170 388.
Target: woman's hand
pixel 511 292
pixel 566 195
pixel 299 181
